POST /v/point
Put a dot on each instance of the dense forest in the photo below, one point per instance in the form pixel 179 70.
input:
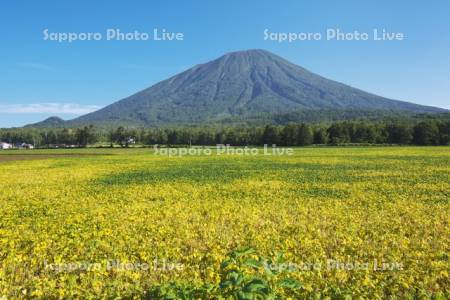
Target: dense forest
pixel 401 132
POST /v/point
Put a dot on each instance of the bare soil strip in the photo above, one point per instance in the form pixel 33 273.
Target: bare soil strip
pixel 12 157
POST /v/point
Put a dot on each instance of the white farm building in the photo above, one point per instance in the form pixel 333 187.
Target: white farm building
pixel 5 146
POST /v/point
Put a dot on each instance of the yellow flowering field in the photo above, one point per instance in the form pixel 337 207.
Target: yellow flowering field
pixel 337 223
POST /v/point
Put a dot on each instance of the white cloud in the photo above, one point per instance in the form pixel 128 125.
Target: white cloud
pixel 51 108
pixel 36 66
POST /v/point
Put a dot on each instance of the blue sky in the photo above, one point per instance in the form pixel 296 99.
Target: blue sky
pixel 41 78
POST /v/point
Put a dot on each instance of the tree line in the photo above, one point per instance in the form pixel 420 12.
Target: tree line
pixel 425 132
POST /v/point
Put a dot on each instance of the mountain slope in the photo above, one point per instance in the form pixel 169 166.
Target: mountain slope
pixel 49 123
pixel 246 83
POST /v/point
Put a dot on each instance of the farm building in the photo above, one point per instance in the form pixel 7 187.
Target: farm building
pixel 5 146
pixel 24 146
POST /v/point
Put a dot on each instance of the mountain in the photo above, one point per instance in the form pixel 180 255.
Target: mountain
pixel 49 123
pixel 237 86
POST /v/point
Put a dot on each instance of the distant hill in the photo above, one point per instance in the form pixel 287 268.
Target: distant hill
pixel 253 84
pixel 49 123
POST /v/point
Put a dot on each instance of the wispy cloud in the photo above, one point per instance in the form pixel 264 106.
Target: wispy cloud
pixel 36 66
pixel 52 108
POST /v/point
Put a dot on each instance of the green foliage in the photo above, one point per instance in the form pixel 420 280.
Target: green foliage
pixel 243 276
pixel 427 131
pixel 85 136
